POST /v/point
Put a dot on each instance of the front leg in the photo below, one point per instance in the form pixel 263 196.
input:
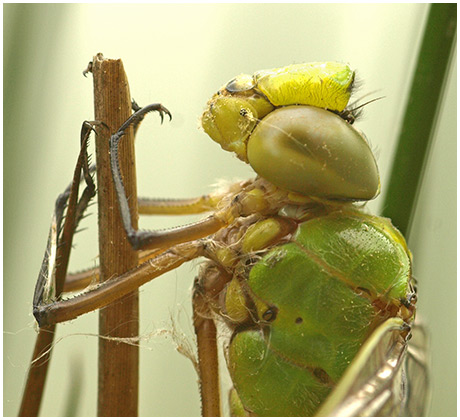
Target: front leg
pixel 153 239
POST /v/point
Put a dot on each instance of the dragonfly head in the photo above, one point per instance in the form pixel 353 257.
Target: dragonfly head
pixel 280 122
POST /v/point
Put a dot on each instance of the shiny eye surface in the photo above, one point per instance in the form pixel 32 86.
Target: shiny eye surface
pixel 313 152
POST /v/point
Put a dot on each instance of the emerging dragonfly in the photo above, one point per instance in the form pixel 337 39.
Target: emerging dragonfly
pixel 316 295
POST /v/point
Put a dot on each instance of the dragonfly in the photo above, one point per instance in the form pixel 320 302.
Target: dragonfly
pixel 311 297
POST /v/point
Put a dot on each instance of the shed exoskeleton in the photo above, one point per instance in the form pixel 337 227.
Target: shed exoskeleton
pixel 300 275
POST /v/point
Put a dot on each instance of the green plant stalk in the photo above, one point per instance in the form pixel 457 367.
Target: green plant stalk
pixel 421 115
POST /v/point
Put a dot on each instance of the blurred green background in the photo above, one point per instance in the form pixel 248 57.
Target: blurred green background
pixel 180 55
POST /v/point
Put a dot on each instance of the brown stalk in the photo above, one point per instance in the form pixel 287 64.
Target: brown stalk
pixel 118 362
pixel 36 377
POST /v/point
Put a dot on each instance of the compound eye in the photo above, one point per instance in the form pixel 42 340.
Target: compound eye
pixel 313 152
pixel 241 83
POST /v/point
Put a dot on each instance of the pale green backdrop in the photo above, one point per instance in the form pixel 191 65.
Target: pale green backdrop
pixel 180 55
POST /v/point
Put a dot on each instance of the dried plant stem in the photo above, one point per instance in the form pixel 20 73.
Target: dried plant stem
pixel 35 384
pixel 118 362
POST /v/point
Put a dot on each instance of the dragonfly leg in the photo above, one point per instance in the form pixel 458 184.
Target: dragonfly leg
pixel 57 254
pixel 82 279
pixel 177 206
pixel 135 107
pixel 115 288
pixel 207 288
pixel 234 201
pixel 53 271
pixel 153 239
pixel 196 205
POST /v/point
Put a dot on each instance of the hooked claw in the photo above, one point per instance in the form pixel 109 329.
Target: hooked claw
pixel 162 110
